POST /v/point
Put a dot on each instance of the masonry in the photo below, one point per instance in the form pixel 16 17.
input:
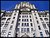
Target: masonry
pixel 24 21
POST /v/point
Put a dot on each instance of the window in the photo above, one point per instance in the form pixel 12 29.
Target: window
pixel 31 24
pixel 37 22
pixel 22 24
pixel 13 17
pixel 22 19
pixel 27 20
pixel 30 19
pixel 9 34
pixel 12 22
pixel 44 25
pixel 7 22
pixel 15 14
pixel 34 35
pixel 9 15
pixel 22 16
pixel 46 19
pixel 2 23
pixel 5 26
pixel 19 19
pixel 35 14
pixel 29 13
pixel 41 34
pixel 31 29
pixel 39 27
pixel 17 29
pixel 21 29
pixel 3 18
pixel 27 29
pixel 41 19
pixel 48 25
pixel 27 24
pixel 47 22
pixel 8 19
pixel 30 16
pixel 36 17
pixel 46 31
pixel 11 27
pixel 18 24
pixel 24 29
pixel 3 32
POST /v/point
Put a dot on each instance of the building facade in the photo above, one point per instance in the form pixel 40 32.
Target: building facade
pixel 24 21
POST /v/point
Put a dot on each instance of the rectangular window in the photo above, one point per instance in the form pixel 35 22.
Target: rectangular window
pixel 5 26
pixel 18 24
pixel 31 20
pixel 39 27
pixel 37 22
pixel 22 24
pixel 41 19
pixel 27 29
pixel 24 29
pixel 30 16
pixel 27 24
pixel 41 34
pixel 9 34
pixel 36 17
pixel 15 14
pixel 12 22
pixel 31 29
pixel 3 19
pixel 45 19
pixel 46 31
pixel 22 19
pixel 13 17
pixel 22 16
pixel 21 29
pixel 31 24
pixel 19 19
pixel 11 27
pixel 44 25
pixel 35 14
pixel 48 25
pixel 27 20
pixel 8 19
pixel 3 32
pixel 17 29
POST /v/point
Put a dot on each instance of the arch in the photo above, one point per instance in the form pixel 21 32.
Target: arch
pixel 25 35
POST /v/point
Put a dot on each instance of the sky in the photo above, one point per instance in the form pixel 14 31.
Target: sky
pixel 40 5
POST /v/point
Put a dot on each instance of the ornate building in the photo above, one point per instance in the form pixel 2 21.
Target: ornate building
pixel 24 21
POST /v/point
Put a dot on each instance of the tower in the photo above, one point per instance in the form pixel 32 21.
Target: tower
pixel 25 21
